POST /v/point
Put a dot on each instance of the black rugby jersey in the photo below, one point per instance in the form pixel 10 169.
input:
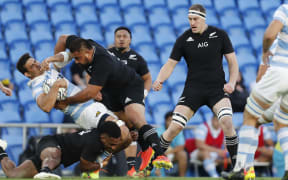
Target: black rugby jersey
pixel 105 69
pixel 203 55
pixel 85 144
pixel 132 59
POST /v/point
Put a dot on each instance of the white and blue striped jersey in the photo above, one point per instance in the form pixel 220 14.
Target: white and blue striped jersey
pixel 36 86
pixel 280 46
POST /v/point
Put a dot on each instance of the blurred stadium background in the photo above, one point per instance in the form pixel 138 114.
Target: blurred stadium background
pixel 34 26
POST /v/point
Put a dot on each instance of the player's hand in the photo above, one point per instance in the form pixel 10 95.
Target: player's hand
pixel 45 65
pixel 99 96
pixel 61 104
pixel 60 83
pixel 157 85
pixel 106 160
pixel 265 57
pixel 228 88
pixel 6 91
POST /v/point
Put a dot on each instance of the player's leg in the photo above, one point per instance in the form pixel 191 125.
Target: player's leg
pixel 180 117
pixel 24 170
pixel 281 127
pixel 49 154
pixel 223 110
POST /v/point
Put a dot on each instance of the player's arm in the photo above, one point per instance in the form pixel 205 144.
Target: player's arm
pixel 147 83
pixel 233 71
pixel 86 94
pixel 88 166
pixel 47 101
pixel 269 36
pixel 61 44
pixel 164 73
pixel 261 71
pixel 5 90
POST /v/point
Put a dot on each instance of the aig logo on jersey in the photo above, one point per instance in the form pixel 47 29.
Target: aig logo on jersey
pixel 202 45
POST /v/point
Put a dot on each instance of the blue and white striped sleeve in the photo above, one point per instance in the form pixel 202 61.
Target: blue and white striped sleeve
pixel 281 14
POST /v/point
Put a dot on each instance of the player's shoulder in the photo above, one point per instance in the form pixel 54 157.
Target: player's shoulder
pixel 216 29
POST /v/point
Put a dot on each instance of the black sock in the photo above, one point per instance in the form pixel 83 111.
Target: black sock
pixel 131 161
pixel 232 145
pixel 46 169
pixel 164 144
pixel 150 136
pixel 143 144
pixel 2 153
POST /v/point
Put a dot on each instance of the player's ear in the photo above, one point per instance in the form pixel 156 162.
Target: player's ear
pixel 27 74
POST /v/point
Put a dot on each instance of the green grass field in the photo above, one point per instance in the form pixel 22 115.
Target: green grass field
pixel 158 178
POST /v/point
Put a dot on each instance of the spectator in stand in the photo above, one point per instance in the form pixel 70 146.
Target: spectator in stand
pixel 239 96
pixel 265 148
pixel 209 140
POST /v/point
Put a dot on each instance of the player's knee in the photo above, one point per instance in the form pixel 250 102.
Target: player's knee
pixel 253 107
pixel 179 119
pixel 224 115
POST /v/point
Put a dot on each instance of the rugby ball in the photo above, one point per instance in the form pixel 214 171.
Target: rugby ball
pixel 48 83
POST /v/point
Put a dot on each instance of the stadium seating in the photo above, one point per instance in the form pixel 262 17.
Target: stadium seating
pixel 34 25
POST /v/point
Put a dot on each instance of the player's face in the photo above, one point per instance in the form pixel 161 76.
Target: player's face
pixel 197 23
pixel 110 143
pixel 82 57
pixel 33 68
pixel 122 39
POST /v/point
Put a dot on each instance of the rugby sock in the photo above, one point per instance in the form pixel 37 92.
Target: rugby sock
pixel 143 144
pixel 232 145
pixel 282 137
pixel 246 134
pixel 150 136
pixel 164 144
pixel 253 148
pixel 131 161
pixel 210 167
pixel 2 153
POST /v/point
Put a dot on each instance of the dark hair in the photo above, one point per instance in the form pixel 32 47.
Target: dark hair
pixel 22 61
pixel 198 7
pixel 123 28
pixel 78 44
pixel 111 129
pixel 168 114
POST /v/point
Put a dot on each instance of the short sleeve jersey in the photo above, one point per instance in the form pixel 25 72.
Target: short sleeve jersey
pixel 85 144
pixel 105 69
pixel 132 59
pixel 203 55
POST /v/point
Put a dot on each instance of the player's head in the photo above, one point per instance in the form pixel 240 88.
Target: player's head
pixel 82 51
pixel 29 66
pixel 168 118
pixel 110 134
pixel 197 18
pixel 122 38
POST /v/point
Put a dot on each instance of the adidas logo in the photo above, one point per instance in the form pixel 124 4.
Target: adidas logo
pixel 190 39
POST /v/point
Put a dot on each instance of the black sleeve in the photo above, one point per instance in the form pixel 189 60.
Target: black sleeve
pixel 101 70
pixel 227 45
pixel 142 66
pixel 90 153
pixel 177 52
pixel 70 39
